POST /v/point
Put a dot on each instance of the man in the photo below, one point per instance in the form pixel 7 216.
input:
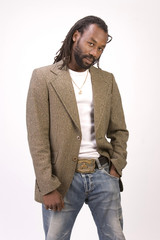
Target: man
pixel 77 135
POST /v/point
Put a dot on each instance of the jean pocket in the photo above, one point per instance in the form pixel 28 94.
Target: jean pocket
pixel 106 171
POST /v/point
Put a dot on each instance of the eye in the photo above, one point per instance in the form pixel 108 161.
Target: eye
pixel 91 44
pixel 100 49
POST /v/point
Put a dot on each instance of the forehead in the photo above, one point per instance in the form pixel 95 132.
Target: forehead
pixel 93 32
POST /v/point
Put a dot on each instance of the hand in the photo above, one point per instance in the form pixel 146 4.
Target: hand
pixel 114 172
pixel 53 201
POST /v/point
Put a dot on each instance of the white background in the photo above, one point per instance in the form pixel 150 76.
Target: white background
pixel 31 32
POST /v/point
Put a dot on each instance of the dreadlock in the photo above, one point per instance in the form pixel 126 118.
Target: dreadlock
pixel 64 53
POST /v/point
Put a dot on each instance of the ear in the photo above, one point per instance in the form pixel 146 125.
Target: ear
pixel 76 36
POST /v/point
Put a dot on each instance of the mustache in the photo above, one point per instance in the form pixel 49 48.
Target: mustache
pixel 90 57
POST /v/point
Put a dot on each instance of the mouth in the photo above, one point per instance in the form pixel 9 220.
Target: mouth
pixel 89 60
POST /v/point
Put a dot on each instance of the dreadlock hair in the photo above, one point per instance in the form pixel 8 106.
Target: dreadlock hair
pixel 64 53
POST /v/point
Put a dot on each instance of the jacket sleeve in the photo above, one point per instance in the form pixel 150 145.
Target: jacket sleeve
pixel 117 131
pixel 37 116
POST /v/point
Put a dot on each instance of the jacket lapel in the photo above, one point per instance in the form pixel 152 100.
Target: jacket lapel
pixel 100 87
pixel 63 86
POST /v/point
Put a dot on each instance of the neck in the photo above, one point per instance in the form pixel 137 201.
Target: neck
pixel 76 68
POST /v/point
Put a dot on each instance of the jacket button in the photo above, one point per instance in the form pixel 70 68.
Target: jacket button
pixel 74 159
pixel 78 138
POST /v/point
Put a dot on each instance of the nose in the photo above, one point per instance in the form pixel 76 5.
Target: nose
pixel 95 53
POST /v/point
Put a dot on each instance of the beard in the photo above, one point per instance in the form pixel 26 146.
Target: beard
pixel 80 58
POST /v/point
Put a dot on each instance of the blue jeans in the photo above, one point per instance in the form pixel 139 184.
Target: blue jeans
pixel 101 192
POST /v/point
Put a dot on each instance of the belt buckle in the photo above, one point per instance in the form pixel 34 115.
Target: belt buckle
pixel 85 166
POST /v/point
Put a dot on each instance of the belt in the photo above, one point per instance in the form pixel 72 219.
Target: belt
pixel 103 160
pixel 89 165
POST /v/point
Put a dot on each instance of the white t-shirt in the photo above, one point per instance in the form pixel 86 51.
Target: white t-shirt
pixel 86 113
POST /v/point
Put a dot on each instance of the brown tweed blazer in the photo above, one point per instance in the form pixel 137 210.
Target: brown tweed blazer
pixel 54 131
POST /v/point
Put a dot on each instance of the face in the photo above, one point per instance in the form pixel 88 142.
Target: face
pixel 87 47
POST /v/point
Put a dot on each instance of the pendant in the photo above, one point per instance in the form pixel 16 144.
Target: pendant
pixel 80 92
